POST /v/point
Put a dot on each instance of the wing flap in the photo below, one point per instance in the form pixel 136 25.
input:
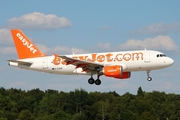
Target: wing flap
pixel 85 65
pixel 75 62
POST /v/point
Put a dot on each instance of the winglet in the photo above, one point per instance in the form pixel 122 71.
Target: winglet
pixel 24 47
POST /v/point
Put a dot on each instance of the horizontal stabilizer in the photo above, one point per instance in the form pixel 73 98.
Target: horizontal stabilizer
pixel 21 62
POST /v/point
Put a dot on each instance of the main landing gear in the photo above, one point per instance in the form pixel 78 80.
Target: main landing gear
pixel 92 81
pixel 148 74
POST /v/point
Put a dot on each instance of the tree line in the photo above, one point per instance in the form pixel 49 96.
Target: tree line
pixel 35 104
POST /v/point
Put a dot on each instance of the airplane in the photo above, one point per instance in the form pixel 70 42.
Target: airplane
pixel 117 65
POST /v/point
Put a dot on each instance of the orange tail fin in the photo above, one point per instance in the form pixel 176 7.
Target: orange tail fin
pixel 25 48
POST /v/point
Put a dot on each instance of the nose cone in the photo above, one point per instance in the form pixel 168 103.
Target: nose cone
pixel 170 61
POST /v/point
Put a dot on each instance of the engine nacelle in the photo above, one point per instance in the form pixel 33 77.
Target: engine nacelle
pixel 112 71
pixel 116 71
pixel 124 75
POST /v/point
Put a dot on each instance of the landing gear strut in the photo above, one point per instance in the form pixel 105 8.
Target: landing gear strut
pixel 148 74
pixel 92 81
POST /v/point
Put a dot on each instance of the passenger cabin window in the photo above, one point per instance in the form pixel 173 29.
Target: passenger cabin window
pixel 161 55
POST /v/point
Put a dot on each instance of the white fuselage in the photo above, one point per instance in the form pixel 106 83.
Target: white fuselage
pixel 141 60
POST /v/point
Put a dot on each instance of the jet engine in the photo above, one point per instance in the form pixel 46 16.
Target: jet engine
pixel 116 71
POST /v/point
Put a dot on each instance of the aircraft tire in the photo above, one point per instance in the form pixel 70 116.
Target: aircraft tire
pixel 98 82
pixel 149 78
pixel 91 81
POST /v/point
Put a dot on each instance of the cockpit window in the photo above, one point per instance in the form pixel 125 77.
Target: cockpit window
pixel 161 55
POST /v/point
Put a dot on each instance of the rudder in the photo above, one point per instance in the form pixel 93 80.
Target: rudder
pixel 24 47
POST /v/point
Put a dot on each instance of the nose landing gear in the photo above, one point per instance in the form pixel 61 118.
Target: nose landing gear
pixel 148 74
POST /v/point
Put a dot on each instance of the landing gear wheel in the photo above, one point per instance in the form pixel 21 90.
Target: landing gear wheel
pixel 91 81
pixel 149 78
pixel 97 82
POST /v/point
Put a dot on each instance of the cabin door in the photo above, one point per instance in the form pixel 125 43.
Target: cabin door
pixel 45 63
pixel 147 57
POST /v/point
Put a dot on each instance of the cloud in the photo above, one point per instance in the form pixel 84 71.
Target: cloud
pixel 7 50
pixel 5 39
pixel 158 28
pixel 5 36
pixel 104 45
pixel 62 50
pixel 78 51
pixel 37 20
pixel 159 43
pixel 101 47
pixel 43 48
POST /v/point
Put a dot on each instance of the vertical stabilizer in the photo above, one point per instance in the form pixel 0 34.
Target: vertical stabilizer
pixel 25 48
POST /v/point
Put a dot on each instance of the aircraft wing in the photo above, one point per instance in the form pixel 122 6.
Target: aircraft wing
pixel 85 65
pixel 21 62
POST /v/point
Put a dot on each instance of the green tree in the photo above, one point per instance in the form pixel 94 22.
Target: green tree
pixel 61 115
pixel 147 116
pixel 48 104
pixel 79 116
pixel 77 100
pixel 2 115
pixel 140 92
pixel 26 115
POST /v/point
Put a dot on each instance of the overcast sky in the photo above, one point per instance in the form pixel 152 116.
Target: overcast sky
pixel 66 27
